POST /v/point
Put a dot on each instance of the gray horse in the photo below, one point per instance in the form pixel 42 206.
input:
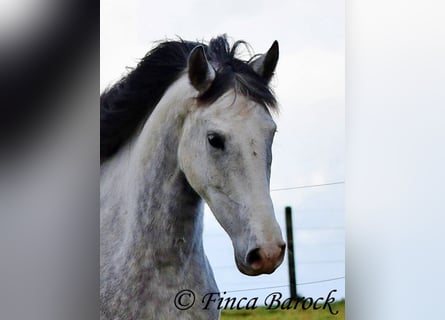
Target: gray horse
pixel 190 123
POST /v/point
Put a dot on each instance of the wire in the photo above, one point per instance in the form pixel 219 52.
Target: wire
pixel 297 229
pixel 319 281
pixel 298 263
pixel 319 228
pixel 309 186
pixel 283 286
pixel 320 262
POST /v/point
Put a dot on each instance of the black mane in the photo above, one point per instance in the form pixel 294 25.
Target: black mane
pixel 132 99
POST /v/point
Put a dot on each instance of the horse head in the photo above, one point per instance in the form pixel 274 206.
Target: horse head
pixel 225 152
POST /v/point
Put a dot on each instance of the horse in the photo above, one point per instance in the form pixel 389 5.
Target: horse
pixel 191 123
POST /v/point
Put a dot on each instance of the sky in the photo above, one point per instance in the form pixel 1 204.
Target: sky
pixel 309 146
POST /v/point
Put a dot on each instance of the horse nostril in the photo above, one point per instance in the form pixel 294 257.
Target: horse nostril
pixel 254 258
pixel 282 248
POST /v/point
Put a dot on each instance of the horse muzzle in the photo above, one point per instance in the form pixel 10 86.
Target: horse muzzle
pixel 262 260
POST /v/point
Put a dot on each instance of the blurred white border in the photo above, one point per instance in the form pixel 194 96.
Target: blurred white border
pixel 395 124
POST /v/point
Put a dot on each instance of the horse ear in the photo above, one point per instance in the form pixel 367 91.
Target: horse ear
pixel 265 65
pixel 200 71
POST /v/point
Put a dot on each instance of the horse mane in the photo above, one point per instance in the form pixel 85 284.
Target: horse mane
pixel 132 99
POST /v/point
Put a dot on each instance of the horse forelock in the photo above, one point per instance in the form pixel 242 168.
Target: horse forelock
pixel 235 73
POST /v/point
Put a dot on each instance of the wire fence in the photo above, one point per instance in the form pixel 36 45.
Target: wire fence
pixel 309 229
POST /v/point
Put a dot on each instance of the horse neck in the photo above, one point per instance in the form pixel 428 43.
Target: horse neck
pixel 164 213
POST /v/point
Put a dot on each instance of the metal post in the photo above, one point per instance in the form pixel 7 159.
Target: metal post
pixel 290 253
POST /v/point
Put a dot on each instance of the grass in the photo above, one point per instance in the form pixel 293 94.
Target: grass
pixel 262 313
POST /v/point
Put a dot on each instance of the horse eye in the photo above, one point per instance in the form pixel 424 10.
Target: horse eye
pixel 216 141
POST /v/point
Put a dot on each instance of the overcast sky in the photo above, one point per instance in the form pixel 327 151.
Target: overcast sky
pixel 310 142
